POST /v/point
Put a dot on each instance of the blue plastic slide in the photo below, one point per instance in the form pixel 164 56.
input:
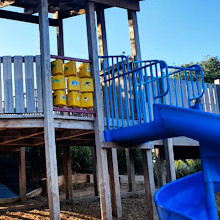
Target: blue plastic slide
pixel 6 193
pixel 192 197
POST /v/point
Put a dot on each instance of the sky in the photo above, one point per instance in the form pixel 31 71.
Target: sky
pixel 175 31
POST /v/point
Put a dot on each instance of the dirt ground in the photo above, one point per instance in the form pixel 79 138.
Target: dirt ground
pixel 84 206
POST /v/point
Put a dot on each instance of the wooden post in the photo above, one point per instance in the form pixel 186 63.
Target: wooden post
pixel 114 183
pixel 169 156
pixel 22 175
pixel 130 170
pixel 67 172
pixel 217 83
pixel 149 183
pixel 60 40
pixel 160 167
pixel 102 163
pixel 134 35
pixel 49 131
pixel 112 153
pixel 94 168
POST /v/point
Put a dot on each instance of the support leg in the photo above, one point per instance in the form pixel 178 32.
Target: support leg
pixel 149 183
pixel 114 183
pixel 94 166
pixel 67 172
pixel 130 170
pixel 22 175
pixel 160 167
pixel 169 156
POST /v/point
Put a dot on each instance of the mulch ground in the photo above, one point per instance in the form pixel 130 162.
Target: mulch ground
pixel 134 207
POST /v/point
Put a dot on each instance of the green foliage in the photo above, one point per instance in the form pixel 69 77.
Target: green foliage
pixel 211 68
pixel 187 167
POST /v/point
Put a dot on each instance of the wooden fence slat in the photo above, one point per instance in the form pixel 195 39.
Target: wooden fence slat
pixel 39 84
pixel 216 99
pixel 1 101
pixel 29 79
pixel 212 100
pixel 8 93
pixel 19 90
pixel 207 102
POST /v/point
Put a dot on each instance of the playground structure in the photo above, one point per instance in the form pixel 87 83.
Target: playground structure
pixel 28 117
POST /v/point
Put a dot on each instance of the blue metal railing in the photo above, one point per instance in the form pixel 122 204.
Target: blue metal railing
pixel 129 95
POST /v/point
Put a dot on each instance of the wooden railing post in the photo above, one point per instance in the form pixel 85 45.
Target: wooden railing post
pixel 102 163
pixel 49 131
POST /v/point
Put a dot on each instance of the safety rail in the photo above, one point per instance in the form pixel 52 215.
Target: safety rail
pixel 130 94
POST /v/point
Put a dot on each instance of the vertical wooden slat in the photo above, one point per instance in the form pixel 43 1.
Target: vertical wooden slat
pixel 49 131
pixel 39 85
pixel 212 100
pixel 1 101
pixel 19 90
pixel 105 200
pixel 29 81
pixel 216 98
pixel 22 175
pixel 7 74
pixel 206 95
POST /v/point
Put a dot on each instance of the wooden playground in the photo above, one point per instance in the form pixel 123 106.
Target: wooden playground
pixel 28 117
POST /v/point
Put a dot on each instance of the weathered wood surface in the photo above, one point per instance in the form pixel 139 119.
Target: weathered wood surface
pixel 49 130
pixel 105 200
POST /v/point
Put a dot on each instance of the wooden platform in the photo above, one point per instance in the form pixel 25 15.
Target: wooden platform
pixel 28 130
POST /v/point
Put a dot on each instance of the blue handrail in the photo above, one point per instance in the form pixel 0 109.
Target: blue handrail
pixel 131 90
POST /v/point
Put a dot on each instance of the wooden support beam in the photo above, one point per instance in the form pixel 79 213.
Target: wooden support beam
pixel 160 166
pixel 114 183
pixel 134 35
pixel 102 163
pixel 169 157
pixel 127 4
pixel 94 169
pixel 149 183
pixel 67 172
pixel 49 130
pixel 25 17
pixel 130 170
pixel 112 153
pixel 22 175
pixel 217 83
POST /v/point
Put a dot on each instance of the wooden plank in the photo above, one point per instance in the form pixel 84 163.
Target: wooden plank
pixel 169 156
pixel 39 85
pixel 149 183
pixel 160 167
pixel 114 183
pixel 217 92
pixel 8 92
pixel 212 98
pixel 24 17
pixel 67 172
pixel 130 170
pixel 127 4
pixel 19 90
pixel 207 101
pixel 1 88
pixel 49 131
pixel 29 82
pixel 94 169
pixel 104 189
pixel 22 175
pixel 134 35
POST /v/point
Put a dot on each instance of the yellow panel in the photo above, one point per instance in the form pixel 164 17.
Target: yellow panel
pixel 73 83
pixel 86 100
pixel 86 85
pixel 59 98
pixel 58 82
pixel 57 67
pixel 70 68
pixel 73 99
pixel 84 70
